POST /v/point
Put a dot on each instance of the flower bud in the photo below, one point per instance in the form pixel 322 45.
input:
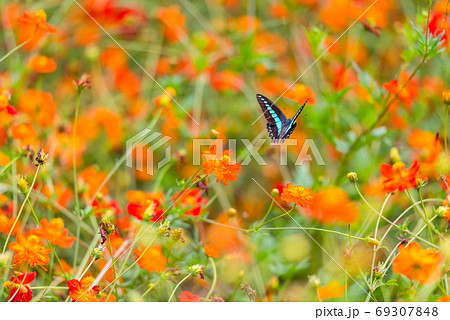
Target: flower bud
pixel 275 193
pixel 231 212
pixel 23 185
pixel 394 155
pixel 213 134
pixel 372 241
pixel 4 259
pixel 314 281
pixel 197 270
pixel 446 96
pixel 97 253
pixel 352 177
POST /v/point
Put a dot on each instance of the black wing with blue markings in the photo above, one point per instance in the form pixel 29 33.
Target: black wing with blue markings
pixel 276 119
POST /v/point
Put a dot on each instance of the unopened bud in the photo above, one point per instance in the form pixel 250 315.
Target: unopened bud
pixel 446 96
pixel 275 192
pixel 23 185
pixel 314 281
pixel 372 241
pixel 394 155
pixel 352 176
pixel 231 212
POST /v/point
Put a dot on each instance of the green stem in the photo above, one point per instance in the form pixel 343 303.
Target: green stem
pixel 13 160
pixel 445 128
pixel 75 184
pixel 176 287
pixel 213 285
pixel 48 242
pixel 424 218
pixel 17 47
pixel 273 219
pixel 150 288
pixel 268 211
pixel 126 270
pixel 113 266
pixel 317 229
pixel 425 214
pixel 356 143
pixel 21 209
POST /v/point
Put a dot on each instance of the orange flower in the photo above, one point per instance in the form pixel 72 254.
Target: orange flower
pixel 299 93
pixel 192 202
pixel 187 296
pixel 278 10
pixel 212 251
pixel 227 80
pixel 24 133
pixel 30 249
pixel 331 291
pixel 444 299
pixel 55 233
pixel 417 263
pixel 152 260
pixel 396 177
pixel 111 122
pixel 298 194
pixel 39 19
pixel 220 166
pixel 58 192
pixel 80 291
pixel 246 23
pixel 18 286
pixel 339 14
pixel 39 106
pixel 42 64
pixel 332 205
pixel 93 180
pixel 173 21
pixel 7 223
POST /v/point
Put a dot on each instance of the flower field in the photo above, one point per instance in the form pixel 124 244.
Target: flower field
pixel 136 161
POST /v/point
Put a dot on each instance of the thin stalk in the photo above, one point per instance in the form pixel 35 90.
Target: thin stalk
pixel 113 265
pixel 17 47
pixel 21 209
pixel 273 219
pixel 13 160
pixel 445 128
pixel 317 229
pixel 176 287
pixel 213 285
pixel 75 184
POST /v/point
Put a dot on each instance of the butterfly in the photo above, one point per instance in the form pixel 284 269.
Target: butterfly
pixel 279 127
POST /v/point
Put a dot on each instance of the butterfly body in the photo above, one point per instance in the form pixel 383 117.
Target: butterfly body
pixel 279 127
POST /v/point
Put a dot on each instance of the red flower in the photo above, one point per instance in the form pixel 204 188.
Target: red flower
pixel 192 202
pixel 145 206
pixel 187 296
pixel 80 290
pixel 397 177
pixel 19 288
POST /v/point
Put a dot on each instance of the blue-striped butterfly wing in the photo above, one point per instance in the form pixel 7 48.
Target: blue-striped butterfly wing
pixel 292 123
pixel 276 119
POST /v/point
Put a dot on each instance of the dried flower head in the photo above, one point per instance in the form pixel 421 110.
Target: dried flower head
pixel 82 82
pixel 41 158
pixel 197 270
pixel 97 253
pixel 251 293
